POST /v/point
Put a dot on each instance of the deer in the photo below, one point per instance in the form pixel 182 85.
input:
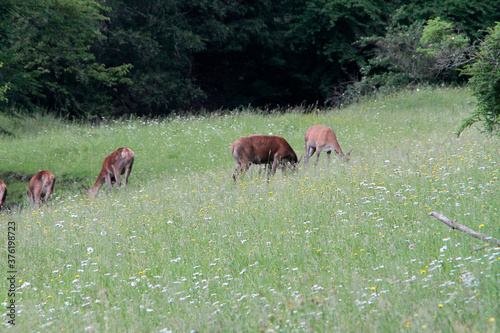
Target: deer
pixel 118 163
pixel 41 184
pixel 322 138
pixel 262 149
pixel 3 192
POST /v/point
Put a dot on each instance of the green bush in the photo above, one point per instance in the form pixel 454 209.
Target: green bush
pixel 484 81
pixel 409 55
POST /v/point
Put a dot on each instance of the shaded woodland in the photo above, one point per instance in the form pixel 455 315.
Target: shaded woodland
pixel 110 58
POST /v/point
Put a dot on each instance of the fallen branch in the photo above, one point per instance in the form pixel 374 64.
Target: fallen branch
pixel 454 225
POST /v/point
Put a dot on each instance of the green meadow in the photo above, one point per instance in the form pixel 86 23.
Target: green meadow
pixel 342 247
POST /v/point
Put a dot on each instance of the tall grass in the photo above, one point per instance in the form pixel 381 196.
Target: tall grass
pixel 342 247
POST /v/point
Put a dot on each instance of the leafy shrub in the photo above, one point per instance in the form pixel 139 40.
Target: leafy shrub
pixel 484 72
pixel 408 55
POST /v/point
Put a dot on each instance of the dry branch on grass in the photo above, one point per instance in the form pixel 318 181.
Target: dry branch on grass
pixel 454 225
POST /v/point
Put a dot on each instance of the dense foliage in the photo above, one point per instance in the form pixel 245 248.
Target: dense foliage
pixel 484 80
pixel 47 56
pixel 115 57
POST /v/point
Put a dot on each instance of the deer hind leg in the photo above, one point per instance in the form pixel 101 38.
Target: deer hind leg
pixel 241 168
pixel 118 179
pixel 47 194
pixel 309 152
pixel 38 197
pixel 244 168
pixel 32 197
pixel 273 168
pixel 236 171
pixel 317 156
pixel 108 183
pixel 128 169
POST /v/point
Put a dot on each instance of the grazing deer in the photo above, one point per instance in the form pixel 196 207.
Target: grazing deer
pixel 41 184
pixel 322 138
pixel 262 149
pixel 3 192
pixel 118 163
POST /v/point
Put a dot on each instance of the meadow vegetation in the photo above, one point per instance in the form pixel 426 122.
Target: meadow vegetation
pixel 344 247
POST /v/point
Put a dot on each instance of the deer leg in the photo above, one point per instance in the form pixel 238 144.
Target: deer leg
pixel 118 178
pixel 241 168
pixel 244 168
pixel 47 194
pixel 317 157
pixel 127 174
pixel 312 150
pixel 108 182
pixel 51 190
pixel 309 152
pixel 328 153
pixel 237 171
pixel 38 197
pixel 275 164
pixel 128 171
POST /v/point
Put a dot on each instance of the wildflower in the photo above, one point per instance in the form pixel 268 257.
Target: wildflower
pixel 90 250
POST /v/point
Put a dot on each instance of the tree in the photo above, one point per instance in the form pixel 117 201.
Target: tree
pixel 484 72
pixel 47 58
pixel 421 53
pixel 448 48
pixel 191 53
pixel 3 89
pixel 321 37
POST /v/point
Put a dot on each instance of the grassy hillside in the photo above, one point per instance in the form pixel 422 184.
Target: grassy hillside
pixel 342 247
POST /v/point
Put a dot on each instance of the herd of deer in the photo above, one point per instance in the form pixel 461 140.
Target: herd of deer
pixel 271 151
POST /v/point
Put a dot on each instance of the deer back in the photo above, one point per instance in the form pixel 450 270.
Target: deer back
pixel 260 149
pixel 322 138
pixel 41 183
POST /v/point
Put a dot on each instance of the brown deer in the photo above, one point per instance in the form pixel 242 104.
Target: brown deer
pixel 118 163
pixel 41 184
pixel 3 192
pixel 262 149
pixel 322 138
